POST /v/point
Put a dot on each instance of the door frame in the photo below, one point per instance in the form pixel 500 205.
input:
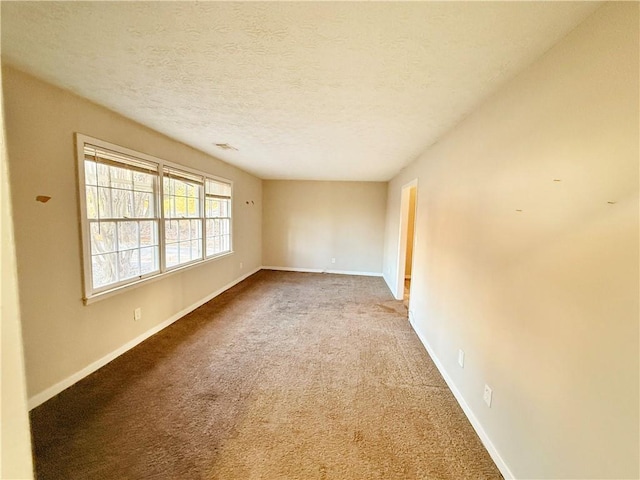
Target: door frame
pixel 405 194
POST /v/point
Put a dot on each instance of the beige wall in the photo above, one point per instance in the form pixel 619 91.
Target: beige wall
pixel 306 224
pixel 61 335
pixel 544 302
pixel 15 440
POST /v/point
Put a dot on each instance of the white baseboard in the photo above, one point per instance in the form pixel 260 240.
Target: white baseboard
pixel 475 423
pixel 349 272
pixel 40 398
pixel 293 269
pixel 319 270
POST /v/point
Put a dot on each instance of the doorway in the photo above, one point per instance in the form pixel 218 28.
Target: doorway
pixel 406 241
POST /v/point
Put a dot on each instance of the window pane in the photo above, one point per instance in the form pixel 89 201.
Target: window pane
pixel 226 243
pixel 90 177
pixel 210 247
pixel 185 252
pixel 122 203
pixel 181 199
pixel 121 178
pixel 196 249
pixel 103 237
pixel 103 175
pixel 104 202
pixel 171 231
pixel 168 207
pixel 142 182
pixel 149 260
pixel 193 207
pixel 217 208
pixel 179 188
pixel 172 251
pixel 92 202
pixel 180 206
pixel 184 230
pixel 128 264
pixel 224 225
pixel 104 269
pixel 143 205
pixel 215 230
pixel 127 235
pixel 196 229
pixel 148 236
pixel 218 188
pixel 224 208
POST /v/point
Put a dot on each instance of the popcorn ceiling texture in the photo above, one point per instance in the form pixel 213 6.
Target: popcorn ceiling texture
pixel 326 91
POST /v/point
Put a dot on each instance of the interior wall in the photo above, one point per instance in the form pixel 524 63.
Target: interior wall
pixel 15 439
pixel 61 335
pixel 306 224
pixel 524 263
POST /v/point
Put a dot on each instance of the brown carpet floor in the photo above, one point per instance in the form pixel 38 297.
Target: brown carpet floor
pixel 284 376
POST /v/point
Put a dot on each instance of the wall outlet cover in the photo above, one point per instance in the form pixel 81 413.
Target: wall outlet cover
pixel 461 358
pixel 488 394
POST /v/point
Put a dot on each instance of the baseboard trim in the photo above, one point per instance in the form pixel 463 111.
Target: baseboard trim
pixel 293 269
pixel 40 398
pixel 475 423
pixel 349 272
pixel 319 270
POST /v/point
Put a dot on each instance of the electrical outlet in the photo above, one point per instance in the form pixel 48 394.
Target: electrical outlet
pixel 241 265
pixel 488 394
pixel 137 314
pixel 333 260
pixel 461 358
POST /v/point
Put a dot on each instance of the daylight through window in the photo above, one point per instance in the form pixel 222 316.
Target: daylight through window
pixel 128 234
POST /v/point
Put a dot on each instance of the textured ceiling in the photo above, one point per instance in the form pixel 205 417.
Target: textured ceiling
pixel 326 91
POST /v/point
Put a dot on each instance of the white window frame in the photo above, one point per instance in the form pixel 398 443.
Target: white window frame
pixel 91 294
pixel 220 218
pixel 183 175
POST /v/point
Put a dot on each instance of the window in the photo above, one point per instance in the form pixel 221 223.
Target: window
pixel 183 218
pixel 143 217
pixel 218 214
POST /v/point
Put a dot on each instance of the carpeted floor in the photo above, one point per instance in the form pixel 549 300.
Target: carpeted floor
pixel 285 376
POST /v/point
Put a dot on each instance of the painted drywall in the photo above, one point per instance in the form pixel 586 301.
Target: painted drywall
pixel 522 262
pixel 15 440
pixel 410 232
pixel 306 224
pixel 61 335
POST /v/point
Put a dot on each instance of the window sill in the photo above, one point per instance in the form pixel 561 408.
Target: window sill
pixel 145 281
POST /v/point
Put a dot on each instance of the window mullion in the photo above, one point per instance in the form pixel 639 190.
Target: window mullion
pixel 162 228
pixel 116 241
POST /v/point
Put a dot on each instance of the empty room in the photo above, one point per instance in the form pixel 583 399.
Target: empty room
pixel 320 240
